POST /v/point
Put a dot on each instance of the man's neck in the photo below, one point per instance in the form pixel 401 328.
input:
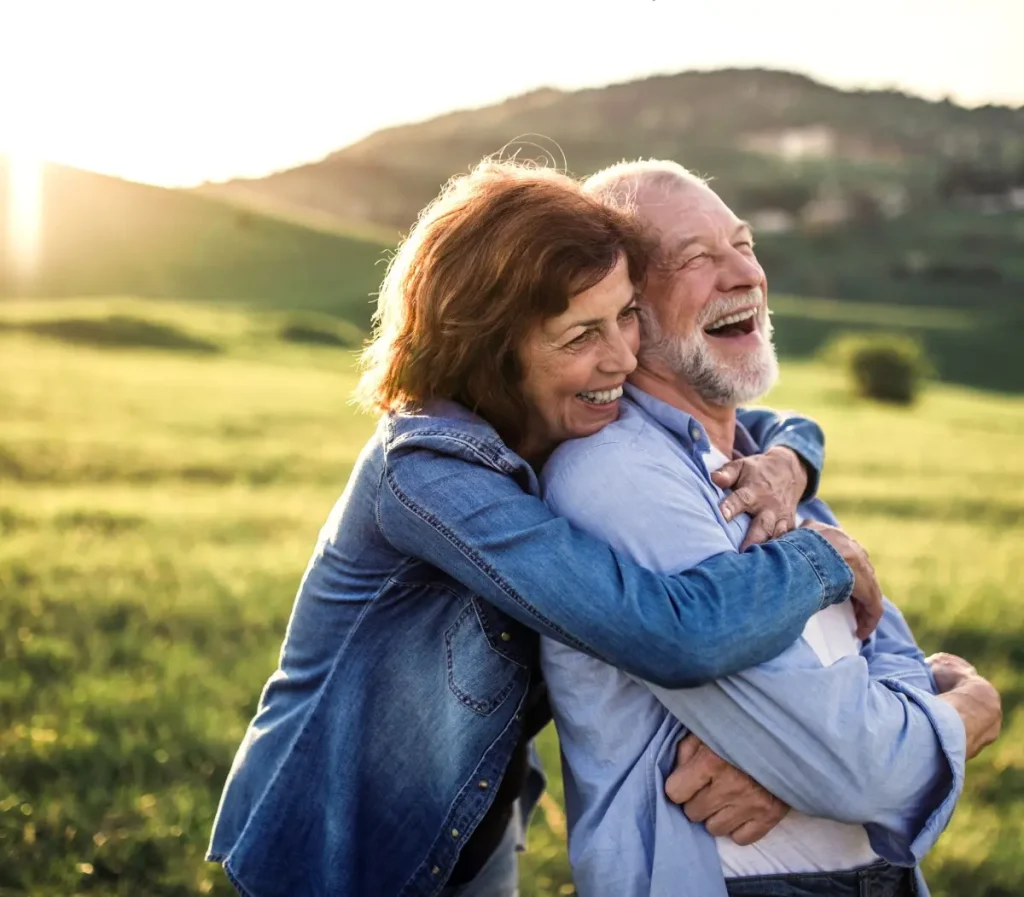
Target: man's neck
pixel 718 420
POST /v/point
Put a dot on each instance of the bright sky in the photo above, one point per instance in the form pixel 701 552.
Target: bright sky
pixel 178 91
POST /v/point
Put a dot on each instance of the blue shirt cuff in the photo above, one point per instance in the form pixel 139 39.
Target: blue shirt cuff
pixel 924 832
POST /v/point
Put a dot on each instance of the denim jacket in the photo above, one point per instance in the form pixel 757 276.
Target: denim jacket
pixel 381 738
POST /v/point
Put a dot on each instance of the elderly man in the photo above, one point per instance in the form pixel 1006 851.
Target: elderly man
pixel 851 735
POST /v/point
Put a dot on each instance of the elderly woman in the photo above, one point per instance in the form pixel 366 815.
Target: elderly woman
pixel 389 749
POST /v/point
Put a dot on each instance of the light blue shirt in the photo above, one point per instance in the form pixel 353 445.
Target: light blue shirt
pixel 861 741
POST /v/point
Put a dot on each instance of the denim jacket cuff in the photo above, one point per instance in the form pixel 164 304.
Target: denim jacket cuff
pixel 811 454
pixel 833 573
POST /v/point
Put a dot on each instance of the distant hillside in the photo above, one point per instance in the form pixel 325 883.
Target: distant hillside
pixel 872 196
pixel 104 236
pixel 771 139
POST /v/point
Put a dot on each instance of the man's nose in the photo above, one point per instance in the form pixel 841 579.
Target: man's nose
pixel 739 271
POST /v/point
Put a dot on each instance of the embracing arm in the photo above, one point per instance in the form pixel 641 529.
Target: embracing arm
pixel 678 630
pixel 830 741
pixel 833 742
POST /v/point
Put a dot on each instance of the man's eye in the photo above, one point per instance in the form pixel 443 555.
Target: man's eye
pixel 694 259
pixel 745 244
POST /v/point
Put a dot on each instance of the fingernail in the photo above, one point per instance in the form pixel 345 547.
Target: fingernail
pixel 727 514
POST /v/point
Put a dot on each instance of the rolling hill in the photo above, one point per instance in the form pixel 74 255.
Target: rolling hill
pixel 883 199
pixel 768 137
pixel 103 236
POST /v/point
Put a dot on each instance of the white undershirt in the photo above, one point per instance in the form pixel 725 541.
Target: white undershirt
pixel 802 843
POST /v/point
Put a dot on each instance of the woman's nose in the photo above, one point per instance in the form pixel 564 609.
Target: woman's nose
pixel 619 357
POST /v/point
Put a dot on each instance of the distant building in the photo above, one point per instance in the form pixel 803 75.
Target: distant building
pixel 772 221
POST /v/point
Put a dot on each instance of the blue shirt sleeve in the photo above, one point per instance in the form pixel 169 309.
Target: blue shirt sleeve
pixel 831 741
pixel 769 428
pixel 892 652
pixel 481 527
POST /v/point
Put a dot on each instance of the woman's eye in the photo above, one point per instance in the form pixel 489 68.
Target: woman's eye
pixel 628 314
pixel 582 339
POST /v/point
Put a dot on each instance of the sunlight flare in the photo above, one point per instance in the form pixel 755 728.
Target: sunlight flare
pixel 25 215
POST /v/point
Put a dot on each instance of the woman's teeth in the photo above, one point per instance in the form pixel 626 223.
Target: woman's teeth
pixel 601 396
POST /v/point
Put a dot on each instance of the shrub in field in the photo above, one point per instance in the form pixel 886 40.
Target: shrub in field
pixel 120 331
pixel 320 330
pixel 884 366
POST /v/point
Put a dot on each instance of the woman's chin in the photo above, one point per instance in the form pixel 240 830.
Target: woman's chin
pixel 590 419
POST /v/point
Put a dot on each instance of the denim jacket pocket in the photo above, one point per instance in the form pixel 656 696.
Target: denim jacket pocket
pixel 485 661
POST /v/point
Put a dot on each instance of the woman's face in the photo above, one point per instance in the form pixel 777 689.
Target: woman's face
pixel 576 363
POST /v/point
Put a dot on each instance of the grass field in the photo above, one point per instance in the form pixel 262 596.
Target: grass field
pixel 158 505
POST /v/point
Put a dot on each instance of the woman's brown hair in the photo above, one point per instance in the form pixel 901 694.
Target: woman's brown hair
pixel 501 249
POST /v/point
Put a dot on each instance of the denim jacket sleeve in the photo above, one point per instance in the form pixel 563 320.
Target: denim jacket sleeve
pixel 478 525
pixel 769 428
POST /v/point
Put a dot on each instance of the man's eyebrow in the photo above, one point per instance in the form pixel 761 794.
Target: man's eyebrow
pixel 743 226
pixel 671 256
pixel 595 321
pixel 683 245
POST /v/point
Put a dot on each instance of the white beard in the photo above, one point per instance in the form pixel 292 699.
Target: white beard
pixel 716 380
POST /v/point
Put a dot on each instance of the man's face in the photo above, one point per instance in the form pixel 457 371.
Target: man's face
pixel 706 297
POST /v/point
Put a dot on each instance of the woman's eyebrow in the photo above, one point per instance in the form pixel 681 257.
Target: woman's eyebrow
pixel 595 321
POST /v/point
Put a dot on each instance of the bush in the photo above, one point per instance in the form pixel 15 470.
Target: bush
pixel 884 366
pixel 320 330
pixel 119 331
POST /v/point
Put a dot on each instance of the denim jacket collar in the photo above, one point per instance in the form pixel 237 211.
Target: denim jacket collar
pixel 455 430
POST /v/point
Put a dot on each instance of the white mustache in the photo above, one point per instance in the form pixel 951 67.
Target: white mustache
pixel 729 304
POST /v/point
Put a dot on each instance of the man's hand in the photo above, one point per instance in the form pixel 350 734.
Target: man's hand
pixel 768 487
pixel 970 695
pixel 949 671
pixel 867 594
pixel 726 800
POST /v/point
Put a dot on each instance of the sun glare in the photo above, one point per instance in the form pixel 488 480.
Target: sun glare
pixel 25 215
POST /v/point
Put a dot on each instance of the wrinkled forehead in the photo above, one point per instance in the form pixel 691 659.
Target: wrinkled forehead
pixel 684 211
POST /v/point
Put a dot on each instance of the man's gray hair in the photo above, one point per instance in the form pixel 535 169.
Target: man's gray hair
pixel 621 184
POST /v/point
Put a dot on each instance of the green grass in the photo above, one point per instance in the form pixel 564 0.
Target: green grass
pixel 157 508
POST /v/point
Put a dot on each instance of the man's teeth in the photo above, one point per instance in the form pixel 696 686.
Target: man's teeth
pixel 601 396
pixel 732 319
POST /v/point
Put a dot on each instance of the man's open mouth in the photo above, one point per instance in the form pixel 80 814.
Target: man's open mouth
pixel 738 323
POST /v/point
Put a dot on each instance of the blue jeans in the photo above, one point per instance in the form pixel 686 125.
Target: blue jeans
pixel 499 876
pixel 878 880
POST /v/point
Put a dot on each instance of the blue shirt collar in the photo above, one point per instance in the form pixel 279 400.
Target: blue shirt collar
pixel 685 427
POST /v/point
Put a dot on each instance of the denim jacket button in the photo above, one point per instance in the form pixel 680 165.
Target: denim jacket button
pixel 436 870
pixel 484 784
pixel 506 637
pixel 455 833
